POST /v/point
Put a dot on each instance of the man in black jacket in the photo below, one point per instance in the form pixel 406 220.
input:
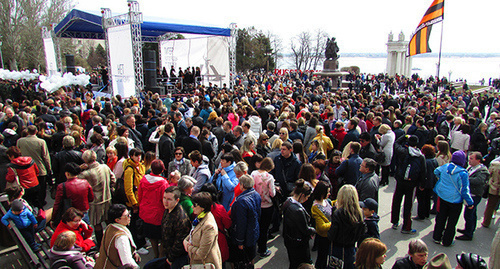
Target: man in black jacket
pixel 416 258
pixel 133 133
pixel 410 174
pixel 191 143
pixel 367 149
pixel 352 134
pixel 166 144
pixel 67 155
pixel 286 169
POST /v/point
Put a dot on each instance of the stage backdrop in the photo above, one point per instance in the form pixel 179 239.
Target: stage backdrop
pixel 211 54
pixel 122 61
pixel 50 56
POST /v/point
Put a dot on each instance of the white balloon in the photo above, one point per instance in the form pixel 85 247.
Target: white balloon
pixel 57 81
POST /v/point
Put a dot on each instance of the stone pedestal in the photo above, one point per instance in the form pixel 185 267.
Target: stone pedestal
pixel 331 65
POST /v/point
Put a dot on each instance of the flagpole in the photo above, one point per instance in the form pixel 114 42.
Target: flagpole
pixel 439 57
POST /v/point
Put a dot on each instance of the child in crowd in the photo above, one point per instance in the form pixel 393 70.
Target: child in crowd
pixel 370 206
pixel 16 192
pixel 25 221
pixel 65 254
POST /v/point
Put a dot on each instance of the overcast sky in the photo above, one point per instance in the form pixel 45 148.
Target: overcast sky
pixel 360 26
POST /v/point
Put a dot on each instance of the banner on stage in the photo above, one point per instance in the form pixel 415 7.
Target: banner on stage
pixel 50 56
pixel 121 56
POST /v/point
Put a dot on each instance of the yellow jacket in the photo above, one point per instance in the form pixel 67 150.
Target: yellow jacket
pixel 132 175
pixel 324 141
pixel 322 222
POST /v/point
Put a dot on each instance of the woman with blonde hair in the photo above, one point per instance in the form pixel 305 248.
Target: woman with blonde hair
pixel 283 134
pixel 347 225
pixel 444 155
pixel 371 254
pixel 324 141
pixel 275 149
pixel 248 149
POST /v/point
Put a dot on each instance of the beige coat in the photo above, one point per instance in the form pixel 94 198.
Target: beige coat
pixel 494 181
pixel 36 148
pixel 204 248
pixel 100 178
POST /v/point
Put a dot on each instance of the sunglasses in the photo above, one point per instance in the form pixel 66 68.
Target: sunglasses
pixel 178 153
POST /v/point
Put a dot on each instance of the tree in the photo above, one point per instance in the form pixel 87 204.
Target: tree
pixel 253 50
pixel 97 57
pixel 307 50
pixel 301 50
pixel 276 46
pixel 22 44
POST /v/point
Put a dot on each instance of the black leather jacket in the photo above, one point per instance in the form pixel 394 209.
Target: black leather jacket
pixel 61 159
pixel 296 229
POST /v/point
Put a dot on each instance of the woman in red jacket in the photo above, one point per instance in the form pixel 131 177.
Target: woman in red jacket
pixel 222 218
pixel 72 221
pixel 151 207
pixel 25 169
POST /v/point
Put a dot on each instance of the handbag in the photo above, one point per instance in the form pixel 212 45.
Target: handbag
pixel 66 204
pixel 379 157
pixel 119 196
pixel 14 183
pixel 333 262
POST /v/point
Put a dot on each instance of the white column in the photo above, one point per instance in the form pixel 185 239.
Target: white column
pixel 389 62
pixel 398 63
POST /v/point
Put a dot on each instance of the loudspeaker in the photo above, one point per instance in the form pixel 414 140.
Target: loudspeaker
pixel 149 69
pixel 70 63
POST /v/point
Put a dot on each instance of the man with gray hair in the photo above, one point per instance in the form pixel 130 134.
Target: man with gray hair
pixel 186 186
pixel 367 184
pixel 134 134
pixel 101 178
pixel 416 258
pixel 66 155
pixel 245 215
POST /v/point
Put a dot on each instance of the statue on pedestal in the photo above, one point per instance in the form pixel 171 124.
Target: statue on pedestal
pixel 331 49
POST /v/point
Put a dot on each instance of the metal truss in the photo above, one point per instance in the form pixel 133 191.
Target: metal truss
pixel 135 18
pixel 232 53
pixel 106 23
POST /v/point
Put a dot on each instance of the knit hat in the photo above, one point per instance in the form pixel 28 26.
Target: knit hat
pixel 471 261
pixel 413 141
pixel 459 158
pixel 17 205
pixel 439 261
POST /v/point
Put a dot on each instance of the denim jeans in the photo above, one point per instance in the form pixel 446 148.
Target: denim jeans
pixel 470 216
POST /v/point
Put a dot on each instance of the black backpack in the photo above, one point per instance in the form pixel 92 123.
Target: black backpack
pixel 414 168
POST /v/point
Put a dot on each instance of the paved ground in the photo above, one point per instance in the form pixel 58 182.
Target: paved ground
pixel 397 243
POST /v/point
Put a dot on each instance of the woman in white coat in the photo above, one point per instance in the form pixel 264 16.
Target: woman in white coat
pixel 386 143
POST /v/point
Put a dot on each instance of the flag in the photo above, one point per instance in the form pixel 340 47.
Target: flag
pixel 419 42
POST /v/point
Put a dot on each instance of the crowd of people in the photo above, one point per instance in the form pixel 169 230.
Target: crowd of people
pixel 211 177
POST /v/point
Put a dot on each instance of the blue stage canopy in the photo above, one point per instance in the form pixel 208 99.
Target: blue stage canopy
pixel 80 24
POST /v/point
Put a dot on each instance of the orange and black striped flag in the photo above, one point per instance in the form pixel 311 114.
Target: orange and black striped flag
pixel 419 42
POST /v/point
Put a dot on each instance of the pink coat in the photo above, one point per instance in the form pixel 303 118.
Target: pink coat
pixel 150 198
